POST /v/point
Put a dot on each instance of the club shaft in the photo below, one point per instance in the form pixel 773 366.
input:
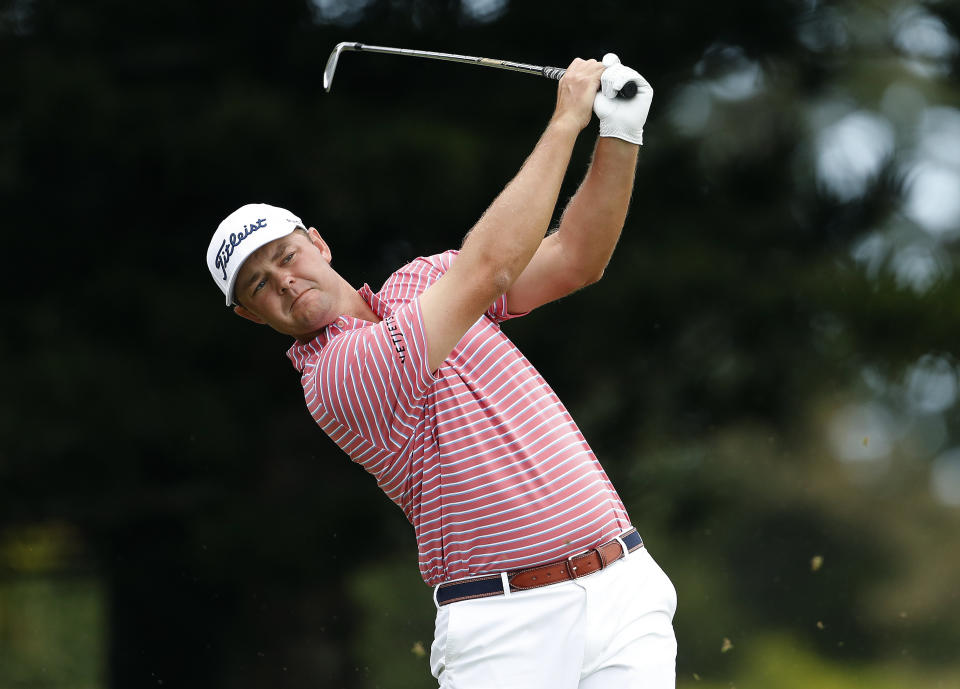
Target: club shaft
pixel 550 72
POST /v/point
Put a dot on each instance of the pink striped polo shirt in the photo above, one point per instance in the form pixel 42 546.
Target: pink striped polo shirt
pixel 481 456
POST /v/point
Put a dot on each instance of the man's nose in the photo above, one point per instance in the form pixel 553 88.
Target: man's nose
pixel 286 281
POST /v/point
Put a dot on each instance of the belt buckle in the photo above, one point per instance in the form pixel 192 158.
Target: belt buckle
pixel 572 570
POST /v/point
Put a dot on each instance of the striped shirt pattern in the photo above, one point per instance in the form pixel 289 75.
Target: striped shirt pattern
pixel 482 457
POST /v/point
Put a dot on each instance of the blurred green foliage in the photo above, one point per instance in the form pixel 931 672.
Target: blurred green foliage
pixel 52 633
pixel 776 379
pixel 53 616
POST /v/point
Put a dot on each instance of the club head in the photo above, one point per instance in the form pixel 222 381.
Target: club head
pixel 332 63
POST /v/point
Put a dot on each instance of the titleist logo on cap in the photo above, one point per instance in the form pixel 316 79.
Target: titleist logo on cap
pixel 239 235
pixel 226 250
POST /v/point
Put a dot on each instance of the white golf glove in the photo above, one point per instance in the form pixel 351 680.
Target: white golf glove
pixel 620 118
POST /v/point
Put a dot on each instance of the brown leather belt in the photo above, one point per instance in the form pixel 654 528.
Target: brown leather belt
pixel 573 567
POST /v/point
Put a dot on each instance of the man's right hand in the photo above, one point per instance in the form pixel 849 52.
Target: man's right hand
pixel 577 91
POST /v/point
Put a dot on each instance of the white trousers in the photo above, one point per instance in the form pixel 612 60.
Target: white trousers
pixel 609 630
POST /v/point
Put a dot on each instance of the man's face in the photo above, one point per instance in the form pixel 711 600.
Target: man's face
pixel 289 285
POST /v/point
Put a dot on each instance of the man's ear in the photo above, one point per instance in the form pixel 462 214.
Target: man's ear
pixel 248 314
pixel 318 242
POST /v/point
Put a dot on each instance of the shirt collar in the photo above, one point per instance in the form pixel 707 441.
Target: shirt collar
pixel 300 352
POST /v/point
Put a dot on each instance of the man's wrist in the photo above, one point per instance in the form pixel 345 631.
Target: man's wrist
pixel 609 129
pixel 565 125
pixel 614 144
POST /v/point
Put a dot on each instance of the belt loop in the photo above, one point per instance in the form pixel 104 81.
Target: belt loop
pixel 436 590
pixel 506 584
pixel 626 551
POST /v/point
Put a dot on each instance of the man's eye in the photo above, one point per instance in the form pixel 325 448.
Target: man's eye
pixel 288 257
pixel 260 285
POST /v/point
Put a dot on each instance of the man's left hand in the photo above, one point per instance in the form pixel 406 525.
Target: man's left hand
pixel 621 118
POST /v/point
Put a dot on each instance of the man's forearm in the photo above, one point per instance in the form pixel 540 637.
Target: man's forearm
pixel 509 232
pixel 591 224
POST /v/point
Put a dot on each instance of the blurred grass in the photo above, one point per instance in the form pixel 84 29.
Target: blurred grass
pixel 52 633
pixel 779 662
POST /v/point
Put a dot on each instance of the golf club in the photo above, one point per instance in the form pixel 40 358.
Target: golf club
pixel 628 91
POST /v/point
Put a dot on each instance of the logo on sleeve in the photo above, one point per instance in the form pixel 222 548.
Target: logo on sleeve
pixel 397 338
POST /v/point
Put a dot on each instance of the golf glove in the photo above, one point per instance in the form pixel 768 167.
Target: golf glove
pixel 620 118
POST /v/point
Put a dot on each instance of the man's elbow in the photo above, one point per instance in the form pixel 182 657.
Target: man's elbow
pixel 591 277
pixel 492 279
pixel 486 272
pixel 500 281
pixel 576 281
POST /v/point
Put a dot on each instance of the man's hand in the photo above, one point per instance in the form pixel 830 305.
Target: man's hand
pixel 619 118
pixel 576 93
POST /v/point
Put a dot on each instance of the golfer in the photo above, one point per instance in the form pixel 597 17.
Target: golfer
pixel 539 577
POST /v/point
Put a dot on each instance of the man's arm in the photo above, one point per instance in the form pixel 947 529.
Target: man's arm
pixel 503 241
pixel 578 252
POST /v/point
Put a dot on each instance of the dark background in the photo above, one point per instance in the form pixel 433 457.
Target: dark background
pixel 768 370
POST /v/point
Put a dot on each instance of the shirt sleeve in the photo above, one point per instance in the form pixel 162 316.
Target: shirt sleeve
pixel 499 310
pixel 408 283
pixel 374 380
pixel 411 280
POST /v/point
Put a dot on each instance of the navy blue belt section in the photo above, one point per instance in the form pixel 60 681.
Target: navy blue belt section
pixel 574 567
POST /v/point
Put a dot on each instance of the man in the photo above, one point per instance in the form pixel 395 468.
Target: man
pixel 539 578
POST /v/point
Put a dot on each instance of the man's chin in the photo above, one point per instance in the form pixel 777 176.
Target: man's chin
pixel 307 326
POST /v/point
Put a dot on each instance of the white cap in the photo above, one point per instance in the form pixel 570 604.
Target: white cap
pixel 240 234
